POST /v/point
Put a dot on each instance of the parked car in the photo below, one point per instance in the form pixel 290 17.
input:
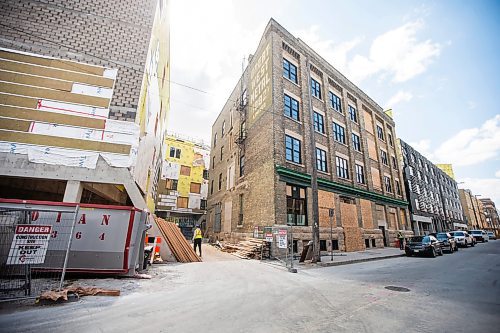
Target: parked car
pixel 463 238
pixel 448 242
pixel 479 235
pixel 427 245
pixel 491 235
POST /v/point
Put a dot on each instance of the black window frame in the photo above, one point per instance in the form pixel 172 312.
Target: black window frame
pixel 342 166
pixel 296 205
pixel 353 114
pixel 356 141
pixel 338 133
pixel 315 88
pixel 335 102
pixel 387 184
pixel 383 157
pixel 293 151
pixel 289 72
pixel 380 133
pixel 360 174
pixel 319 122
pixel 289 107
pixel 321 161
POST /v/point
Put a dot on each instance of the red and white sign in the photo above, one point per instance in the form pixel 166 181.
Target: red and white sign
pixel 29 245
pixel 282 239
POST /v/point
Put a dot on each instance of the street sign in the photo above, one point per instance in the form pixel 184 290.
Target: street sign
pixel 331 211
pixel 282 239
pixel 269 237
pixel 29 245
pixel 256 232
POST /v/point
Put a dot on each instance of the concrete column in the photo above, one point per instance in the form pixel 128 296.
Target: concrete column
pixel 73 192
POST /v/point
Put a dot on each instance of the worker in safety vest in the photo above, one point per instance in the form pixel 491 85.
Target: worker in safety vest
pixel 197 238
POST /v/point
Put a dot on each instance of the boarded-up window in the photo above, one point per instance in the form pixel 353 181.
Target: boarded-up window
pixel 376 179
pixel 195 188
pixel 185 170
pixel 182 202
pixel 368 121
pixel 372 150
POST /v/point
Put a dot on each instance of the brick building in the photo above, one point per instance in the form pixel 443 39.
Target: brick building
pixel 472 208
pixel 491 215
pixel 92 66
pixel 432 193
pixel 261 156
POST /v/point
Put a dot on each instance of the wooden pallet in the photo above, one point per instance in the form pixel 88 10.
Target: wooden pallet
pixel 250 248
pixel 180 247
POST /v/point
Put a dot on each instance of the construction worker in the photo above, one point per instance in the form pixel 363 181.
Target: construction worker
pixel 401 239
pixel 197 238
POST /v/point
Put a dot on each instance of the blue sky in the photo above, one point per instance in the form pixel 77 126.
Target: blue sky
pixel 436 63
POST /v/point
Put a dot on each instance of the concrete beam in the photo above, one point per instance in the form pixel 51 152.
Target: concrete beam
pixel 73 192
pixel 107 191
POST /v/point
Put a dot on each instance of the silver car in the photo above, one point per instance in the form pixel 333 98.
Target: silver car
pixel 491 235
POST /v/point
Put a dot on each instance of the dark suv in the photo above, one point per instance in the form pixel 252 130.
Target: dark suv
pixel 427 245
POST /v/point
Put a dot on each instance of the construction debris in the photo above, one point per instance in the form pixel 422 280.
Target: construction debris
pixel 250 248
pixel 77 290
pixel 179 246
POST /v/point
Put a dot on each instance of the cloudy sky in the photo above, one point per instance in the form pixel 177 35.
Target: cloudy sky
pixel 435 63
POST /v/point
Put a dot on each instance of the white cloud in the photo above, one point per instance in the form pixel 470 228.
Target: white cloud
pixel 485 187
pixel 472 145
pixel 397 52
pixel 400 96
pixel 497 174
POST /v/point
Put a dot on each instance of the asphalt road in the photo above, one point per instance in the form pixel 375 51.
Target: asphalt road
pixel 455 293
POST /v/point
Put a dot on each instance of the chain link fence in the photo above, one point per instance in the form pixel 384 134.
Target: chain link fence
pixel 34 249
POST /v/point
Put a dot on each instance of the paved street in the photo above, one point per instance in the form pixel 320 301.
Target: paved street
pixel 455 293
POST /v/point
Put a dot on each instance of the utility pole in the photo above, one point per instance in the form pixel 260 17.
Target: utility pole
pixel 314 174
pixel 331 213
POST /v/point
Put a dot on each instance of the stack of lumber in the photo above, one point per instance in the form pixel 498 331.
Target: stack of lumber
pixel 250 248
pixel 179 246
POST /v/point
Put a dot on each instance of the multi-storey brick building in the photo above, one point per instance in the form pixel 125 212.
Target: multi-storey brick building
pixel 183 184
pixel 262 157
pixel 472 208
pixel 491 215
pixel 92 67
pixel 432 193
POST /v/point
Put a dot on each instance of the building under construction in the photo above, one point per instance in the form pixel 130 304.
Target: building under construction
pixel 264 152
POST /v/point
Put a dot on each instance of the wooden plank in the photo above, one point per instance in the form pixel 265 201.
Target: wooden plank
pixel 36 81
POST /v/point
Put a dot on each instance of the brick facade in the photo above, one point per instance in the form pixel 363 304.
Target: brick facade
pixel 110 33
pixel 269 178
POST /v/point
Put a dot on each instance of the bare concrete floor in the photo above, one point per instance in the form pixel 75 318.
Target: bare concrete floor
pixel 455 293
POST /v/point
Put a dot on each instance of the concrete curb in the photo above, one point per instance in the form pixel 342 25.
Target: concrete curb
pixel 355 261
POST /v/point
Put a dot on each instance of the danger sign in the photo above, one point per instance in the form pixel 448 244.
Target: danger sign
pixel 29 245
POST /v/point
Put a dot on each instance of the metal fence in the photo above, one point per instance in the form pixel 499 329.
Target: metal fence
pixel 34 249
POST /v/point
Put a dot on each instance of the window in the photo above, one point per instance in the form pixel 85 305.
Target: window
pixel 296 208
pixel 223 128
pixel 203 204
pixel 292 151
pixel 335 102
pixel 213 162
pixel 212 187
pixel 380 132
pixel 353 114
pixel 338 133
pixel 195 188
pixel 291 107
pixel 175 152
pixel 205 174
pixel 321 160
pixel 355 142
pixel 220 181
pixel 394 163
pixel 289 70
pixel 360 174
pixel 387 182
pixel 410 170
pixel 171 184
pixel 240 215
pixel 242 166
pixel 389 135
pixel 221 152
pixel 398 188
pixel 182 202
pixel 319 125
pixel 342 169
pixel 215 139
pixel 315 88
pixel 185 170
pixel 383 157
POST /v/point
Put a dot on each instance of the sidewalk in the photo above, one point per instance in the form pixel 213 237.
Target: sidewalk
pixel 345 258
